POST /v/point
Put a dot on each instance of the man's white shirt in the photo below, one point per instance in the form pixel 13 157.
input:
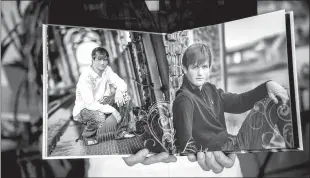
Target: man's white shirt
pixel 92 88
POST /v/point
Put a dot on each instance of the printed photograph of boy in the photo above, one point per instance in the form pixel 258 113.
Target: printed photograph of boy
pixel 199 108
pixel 230 86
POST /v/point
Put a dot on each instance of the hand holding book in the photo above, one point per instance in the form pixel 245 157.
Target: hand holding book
pixel 141 157
pixel 215 161
pixel 276 91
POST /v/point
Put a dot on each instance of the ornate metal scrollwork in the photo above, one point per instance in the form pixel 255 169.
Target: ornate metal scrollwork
pixel 156 123
pixel 278 118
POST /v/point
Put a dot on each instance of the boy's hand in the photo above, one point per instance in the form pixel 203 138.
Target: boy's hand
pixel 141 157
pixel 215 161
pixel 276 91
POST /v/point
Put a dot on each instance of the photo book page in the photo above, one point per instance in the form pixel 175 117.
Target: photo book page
pixel 229 87
pixel 111 96
pixel 233 86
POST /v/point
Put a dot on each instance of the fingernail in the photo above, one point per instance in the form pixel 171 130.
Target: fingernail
pixel 216 153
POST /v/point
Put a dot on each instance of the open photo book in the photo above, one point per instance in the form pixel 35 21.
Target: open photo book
pixel 228 87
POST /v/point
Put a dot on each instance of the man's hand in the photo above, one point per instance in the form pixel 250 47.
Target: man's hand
pixel 276 91
pixel 121 97
pixel 141 157
pixel 215 161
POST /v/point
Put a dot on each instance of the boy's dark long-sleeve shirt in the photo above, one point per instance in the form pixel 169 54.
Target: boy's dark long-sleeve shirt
pixel 198 115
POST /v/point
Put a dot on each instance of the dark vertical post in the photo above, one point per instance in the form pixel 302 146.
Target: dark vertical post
pixel 223 56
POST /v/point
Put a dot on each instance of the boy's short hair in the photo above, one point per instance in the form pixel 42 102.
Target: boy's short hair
pixel 197 53
pixel 99 51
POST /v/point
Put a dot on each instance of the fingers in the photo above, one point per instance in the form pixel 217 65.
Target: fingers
pixel 202 161
pixel 215 161
pixel 136 158
pixel 226 161
pixel 273 97
pixel 277 91
pixel 212 163
pixel 170 159
pixel 191 157
pixel 160 157
pixel 282 95
pixel 119 101
pixel 232 156
pixel 284 98
pixel 122 101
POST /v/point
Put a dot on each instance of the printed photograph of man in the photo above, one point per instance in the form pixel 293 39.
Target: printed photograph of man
pixel 112 91
pixel 199 107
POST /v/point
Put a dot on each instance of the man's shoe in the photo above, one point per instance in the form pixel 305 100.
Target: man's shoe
pixel 124 134
pixel 90 141
pixel 129 135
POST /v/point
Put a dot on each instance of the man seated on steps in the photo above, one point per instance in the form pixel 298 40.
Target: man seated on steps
pixel 99 93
